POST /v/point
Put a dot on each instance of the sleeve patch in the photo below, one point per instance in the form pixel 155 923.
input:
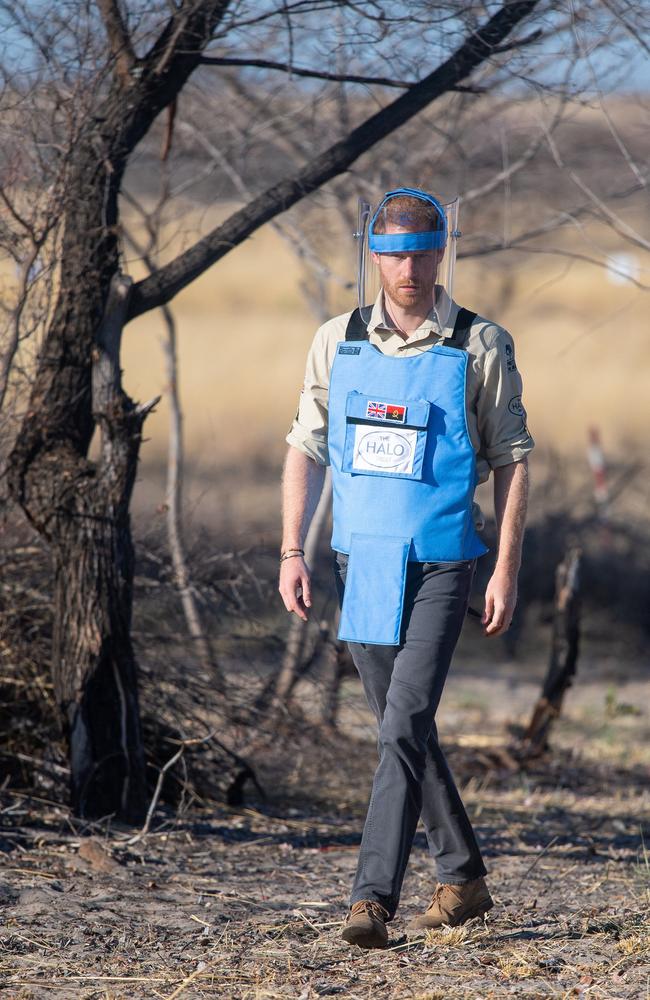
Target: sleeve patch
pixel 517 407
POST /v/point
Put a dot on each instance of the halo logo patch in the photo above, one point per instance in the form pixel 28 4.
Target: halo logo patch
pixel 517 407
pixel 384 450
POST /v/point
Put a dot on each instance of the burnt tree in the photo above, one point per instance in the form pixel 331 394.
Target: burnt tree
pixel 82 507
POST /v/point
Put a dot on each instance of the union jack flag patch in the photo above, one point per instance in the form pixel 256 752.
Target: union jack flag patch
pixel 376 410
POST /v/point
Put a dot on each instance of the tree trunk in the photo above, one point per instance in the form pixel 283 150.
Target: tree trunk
pixel 564 655
pixel 95 676
pixel 94 668
pixel 82 509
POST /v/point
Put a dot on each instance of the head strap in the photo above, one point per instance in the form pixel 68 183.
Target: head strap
pixel 408 241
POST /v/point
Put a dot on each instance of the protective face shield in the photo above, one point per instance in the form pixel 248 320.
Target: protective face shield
pixel 407 247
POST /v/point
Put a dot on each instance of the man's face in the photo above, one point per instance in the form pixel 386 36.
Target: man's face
pixel 408 279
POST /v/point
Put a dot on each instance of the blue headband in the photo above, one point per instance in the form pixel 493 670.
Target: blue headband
pixel 409 241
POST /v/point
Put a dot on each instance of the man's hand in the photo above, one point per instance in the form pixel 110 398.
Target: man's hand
pixel 500 601
pixel 295 586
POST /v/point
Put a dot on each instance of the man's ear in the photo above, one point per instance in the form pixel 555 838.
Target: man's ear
pixel 375 257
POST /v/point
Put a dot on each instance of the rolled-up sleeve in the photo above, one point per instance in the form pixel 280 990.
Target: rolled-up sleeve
pixel 502 421
pixel 308 431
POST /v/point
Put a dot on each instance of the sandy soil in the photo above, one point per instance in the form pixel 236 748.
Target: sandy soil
pixel 246 904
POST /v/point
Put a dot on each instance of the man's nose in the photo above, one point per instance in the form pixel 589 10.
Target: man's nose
pixel 409 267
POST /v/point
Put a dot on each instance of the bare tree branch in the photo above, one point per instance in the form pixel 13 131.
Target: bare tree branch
pixel 118 38
pixel 175 459
pixel 164 71
pixel 169 131
pixel 520 42
pixel 381 81
pixel 557 221
pixel 573 255
pixel 376 81
pixel 18 217
pixel 631 29
pixel 171 279
pixel 295 239
pixel 13 340
pixel 512 168
pixel 185 34
pixel 619 225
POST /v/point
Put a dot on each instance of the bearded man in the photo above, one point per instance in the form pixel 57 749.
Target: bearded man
pixel 413 400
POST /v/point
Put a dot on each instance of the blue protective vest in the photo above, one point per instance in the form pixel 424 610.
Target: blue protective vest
pixel 403 474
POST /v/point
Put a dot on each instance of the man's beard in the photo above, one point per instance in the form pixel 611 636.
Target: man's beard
pixel 417 297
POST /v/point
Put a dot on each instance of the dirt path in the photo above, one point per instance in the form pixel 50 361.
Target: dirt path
pixel 246 905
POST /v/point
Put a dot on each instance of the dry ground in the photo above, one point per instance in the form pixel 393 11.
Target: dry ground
pixel 246 904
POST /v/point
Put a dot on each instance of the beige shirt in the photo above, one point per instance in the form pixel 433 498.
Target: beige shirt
pixel 496 418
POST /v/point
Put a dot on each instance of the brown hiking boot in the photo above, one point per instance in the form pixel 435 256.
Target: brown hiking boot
pixel 453 905
pixel 365 925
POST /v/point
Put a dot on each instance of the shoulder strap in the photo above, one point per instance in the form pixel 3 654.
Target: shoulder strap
pixel 356 328
pixel 464 320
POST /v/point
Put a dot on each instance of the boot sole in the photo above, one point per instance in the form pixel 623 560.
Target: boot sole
pixel 479 912
pixel 363 939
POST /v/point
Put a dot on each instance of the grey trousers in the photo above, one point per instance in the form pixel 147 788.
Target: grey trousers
pixel 403 685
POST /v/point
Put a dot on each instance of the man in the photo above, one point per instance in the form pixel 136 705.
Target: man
pixel 413 401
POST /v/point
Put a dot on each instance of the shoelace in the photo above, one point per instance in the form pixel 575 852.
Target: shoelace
pixel 438 891
pixel 370 906
pixel 436 896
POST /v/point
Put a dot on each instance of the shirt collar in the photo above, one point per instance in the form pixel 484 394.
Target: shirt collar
pixel 380 322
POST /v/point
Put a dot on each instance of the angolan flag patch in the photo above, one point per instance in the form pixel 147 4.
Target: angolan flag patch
pixel 386 411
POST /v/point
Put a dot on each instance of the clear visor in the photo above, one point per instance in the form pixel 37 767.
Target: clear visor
pixel 402 267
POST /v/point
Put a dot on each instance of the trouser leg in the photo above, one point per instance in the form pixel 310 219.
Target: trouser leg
pixel 403 685
pixel 450 836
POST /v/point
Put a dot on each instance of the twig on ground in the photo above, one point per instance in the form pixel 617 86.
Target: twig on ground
pixel 535 862
pixel 188 981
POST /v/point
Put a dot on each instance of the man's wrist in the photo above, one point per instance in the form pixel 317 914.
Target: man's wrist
pixel 291 554
pixel 507 565
pixel 294 545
